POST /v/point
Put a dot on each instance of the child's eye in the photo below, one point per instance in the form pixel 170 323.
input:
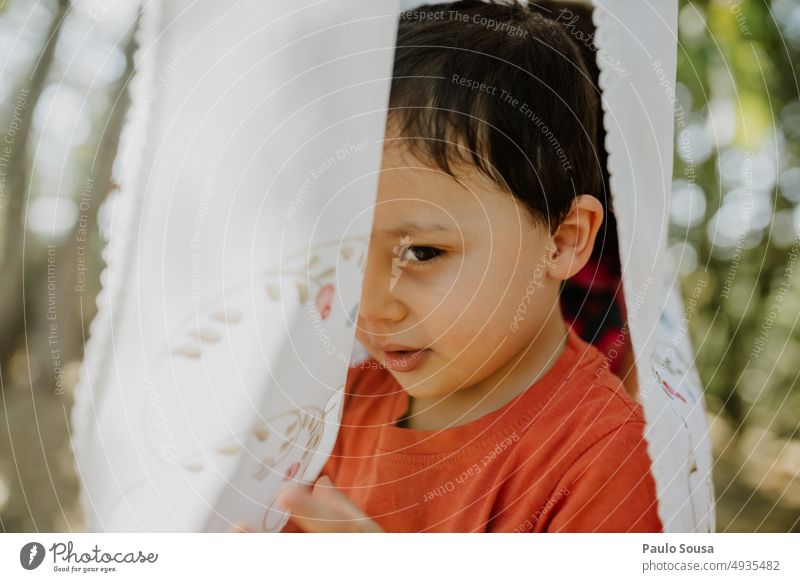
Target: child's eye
pixel 421 254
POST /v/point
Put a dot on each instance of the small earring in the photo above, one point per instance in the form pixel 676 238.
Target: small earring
pixel 553 255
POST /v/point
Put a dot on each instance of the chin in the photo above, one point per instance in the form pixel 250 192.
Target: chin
pixel 423 390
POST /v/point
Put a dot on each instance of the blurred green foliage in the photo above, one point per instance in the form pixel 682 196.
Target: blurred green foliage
pixel 739 91
pixel 735 223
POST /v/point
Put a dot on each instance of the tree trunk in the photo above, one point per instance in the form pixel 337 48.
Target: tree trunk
pixel 12 282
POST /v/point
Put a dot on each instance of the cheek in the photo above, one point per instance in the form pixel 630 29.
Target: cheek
pixel 508 298
pixel 460 313
pixel 444 306
pixel 461 303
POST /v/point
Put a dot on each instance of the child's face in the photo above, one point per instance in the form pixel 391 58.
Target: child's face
pixel 493 265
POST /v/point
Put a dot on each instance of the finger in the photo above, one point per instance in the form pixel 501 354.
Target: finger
pixel 309 512
pixel 327 492
pixel 320 514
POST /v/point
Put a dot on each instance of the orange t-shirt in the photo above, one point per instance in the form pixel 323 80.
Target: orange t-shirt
pixel 568 454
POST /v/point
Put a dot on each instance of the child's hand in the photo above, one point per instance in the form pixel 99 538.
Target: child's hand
pixel 325 510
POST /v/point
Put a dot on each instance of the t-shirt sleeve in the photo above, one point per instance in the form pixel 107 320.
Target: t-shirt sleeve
pixel 609 488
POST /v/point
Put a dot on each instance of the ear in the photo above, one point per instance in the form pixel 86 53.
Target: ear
pixel 574 239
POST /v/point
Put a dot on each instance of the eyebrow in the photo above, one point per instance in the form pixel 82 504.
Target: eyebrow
pixel 409 227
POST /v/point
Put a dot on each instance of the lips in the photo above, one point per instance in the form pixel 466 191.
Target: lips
pixel 405 360
pixel 397 348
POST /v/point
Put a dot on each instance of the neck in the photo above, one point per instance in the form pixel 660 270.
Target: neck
pixel 496 390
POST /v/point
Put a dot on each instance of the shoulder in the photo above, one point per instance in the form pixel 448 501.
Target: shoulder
pixel 589 433
pixel 603 416
pixel 602 469
pixel 610 486
pixel 598 468
pixel 598 395
pixel 581 417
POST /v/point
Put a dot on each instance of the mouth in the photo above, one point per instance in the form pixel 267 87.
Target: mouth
pixel 405 360
pixel 403 352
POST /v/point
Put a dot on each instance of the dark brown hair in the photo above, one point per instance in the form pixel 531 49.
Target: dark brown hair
pixel 502 87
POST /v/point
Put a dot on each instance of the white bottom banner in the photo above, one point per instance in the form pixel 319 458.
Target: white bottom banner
pixel 398 556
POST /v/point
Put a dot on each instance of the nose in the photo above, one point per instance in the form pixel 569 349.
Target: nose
pixel 380 299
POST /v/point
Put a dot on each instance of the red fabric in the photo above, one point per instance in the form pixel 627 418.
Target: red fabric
pixel 566 455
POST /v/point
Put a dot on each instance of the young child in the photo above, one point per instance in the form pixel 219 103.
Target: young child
pixel 479 409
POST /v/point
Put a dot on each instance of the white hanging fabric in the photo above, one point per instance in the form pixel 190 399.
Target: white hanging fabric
pixel 216 364
pixel 217 361
pixel 637 56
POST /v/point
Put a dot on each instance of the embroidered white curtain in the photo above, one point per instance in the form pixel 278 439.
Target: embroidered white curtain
pixel 637 54
pixel 218 358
